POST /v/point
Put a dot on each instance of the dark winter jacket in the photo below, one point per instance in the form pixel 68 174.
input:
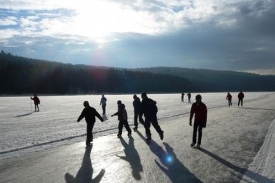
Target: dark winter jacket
pixel 36 100
pixel 200 111
pixel 121 113
pixel 229 96
pixel 136 104
pixel 148 107
pixel 89 113
pixel 241 95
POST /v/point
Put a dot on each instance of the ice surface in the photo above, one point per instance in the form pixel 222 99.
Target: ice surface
pixel 231 141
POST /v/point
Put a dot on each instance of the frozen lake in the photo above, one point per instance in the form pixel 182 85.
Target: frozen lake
pixel 56 121
pixel 49 146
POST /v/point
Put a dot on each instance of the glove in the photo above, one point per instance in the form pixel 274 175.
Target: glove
pixel 190 123
pixel 204 125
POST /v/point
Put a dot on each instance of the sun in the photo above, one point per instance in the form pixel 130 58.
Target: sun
pixel 97 20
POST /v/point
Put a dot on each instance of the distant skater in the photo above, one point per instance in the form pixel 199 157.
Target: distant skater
pixel 200 110
pixel 182 97
pixel 136 104
pixel 89 113
pixel 36 101
pixel 149 109
pixel 240 97
pixel 123 119
pixel 189 97
pixel 103 103
pixel 229 98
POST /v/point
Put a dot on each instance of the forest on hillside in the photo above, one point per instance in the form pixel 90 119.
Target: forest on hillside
pixel 218 81
pixel 21 75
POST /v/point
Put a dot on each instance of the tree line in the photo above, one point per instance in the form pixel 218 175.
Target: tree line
pixel 21 75
pixel 219 81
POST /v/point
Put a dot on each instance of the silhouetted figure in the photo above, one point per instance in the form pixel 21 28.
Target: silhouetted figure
pixel 182 97
pixel 149 109
pixel 89 113
pixel 123 119
pixel 240 97
pixel 229 98
pixel 200 110
pixel 136 104
pixel 189 97
pixel 103 103
pixel 36 101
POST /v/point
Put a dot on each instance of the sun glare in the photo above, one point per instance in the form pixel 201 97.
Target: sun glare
pixel 97 20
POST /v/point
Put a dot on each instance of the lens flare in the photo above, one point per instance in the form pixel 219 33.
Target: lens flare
pixel 169 159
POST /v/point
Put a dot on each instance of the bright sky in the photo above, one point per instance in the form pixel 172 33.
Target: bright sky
pixel 211 34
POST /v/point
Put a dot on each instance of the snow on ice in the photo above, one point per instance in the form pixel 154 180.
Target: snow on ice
pixel 238 143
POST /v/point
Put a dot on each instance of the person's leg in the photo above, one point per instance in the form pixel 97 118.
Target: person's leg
pixel 195 133
pixel 136 120
pixel 127 127
pixel 200 134
pixel 155 124
pixel 120 126
pixel 147 128
pixel 37 108
pixel 239 102
pixel 89 134
pixel 104 109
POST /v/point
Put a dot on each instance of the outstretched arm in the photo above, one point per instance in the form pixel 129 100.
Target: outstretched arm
pixel 99 117
pixel 81 116
pixel 115 114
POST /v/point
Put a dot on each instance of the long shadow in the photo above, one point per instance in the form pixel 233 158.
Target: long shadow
pixel 53 141
pixel 132 156
pixel 255 176
pixel 86 171
pixel 22 115
pixel 169 163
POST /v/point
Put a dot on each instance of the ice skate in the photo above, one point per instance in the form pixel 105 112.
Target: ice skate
pixel 88 144
pixel 193 145
pixel 148 140
pixel 161 136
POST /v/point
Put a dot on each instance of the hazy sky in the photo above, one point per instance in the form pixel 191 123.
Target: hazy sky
pixel 211 34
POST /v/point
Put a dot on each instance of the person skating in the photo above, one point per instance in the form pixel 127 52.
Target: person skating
pixel 182 97
pixel 136 104
pixel 229 98
pixel 189 97
pixel 122 118
pixel 149 109
pixel 200 110
pixel 36 101
pixel 89 113
pixel 240 97
pixel 103 103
